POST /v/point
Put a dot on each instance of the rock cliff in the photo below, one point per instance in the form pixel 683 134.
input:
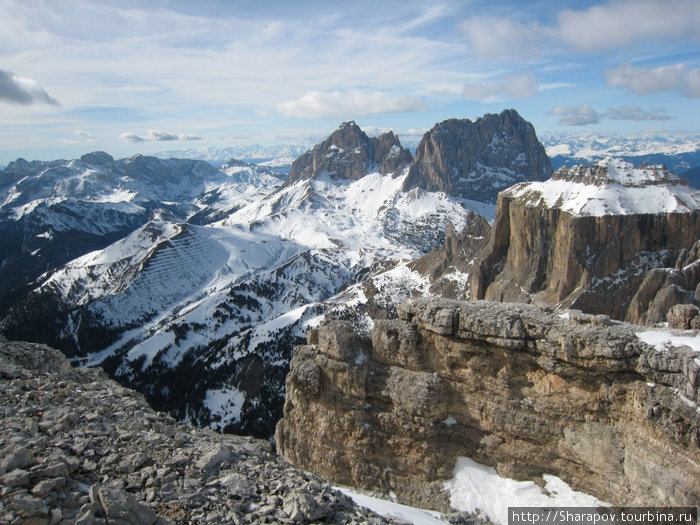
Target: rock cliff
pixel 513 386
pixel 350 154
pixel 475 160
pixel 664 288
pixel 77 448
pixel 587 237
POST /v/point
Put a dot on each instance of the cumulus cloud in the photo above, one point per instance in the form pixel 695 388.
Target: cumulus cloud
pixel 640 80
pixel 597 28
pixel 576 115
pixel 152 136
pixel 342 104
pixel 507 87
pixel 24 91
pixel 496 37
pixel 636 113
pixel 620 23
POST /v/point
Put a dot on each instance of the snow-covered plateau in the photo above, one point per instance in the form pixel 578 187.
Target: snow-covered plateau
pixel 611 187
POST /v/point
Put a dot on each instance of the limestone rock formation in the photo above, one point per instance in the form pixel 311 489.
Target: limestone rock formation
pixel 77 448
pixel 587 237
pixel 665 288
pixel 513 386
pixel 449 266
pixel 475 160
pixel 349 153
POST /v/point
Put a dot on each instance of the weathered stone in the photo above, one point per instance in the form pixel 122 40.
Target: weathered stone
pixel 19 458
pixel 16 478
pixel 212 460
pixel 684 317
pixel 120 463
pixel 302 507
pixel 515 386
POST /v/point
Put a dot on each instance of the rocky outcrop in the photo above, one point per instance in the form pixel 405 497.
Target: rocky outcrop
pixel 513 386
pixel 449 266
pixel 587 238
pixel 664 288
pixel 475 160
pixel 350 154
pixel 77 448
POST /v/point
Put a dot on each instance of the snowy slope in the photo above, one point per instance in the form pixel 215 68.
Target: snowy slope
pixel 219 305
pixel 611 187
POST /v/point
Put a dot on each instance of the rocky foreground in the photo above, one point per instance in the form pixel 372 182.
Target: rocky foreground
pixel 76 447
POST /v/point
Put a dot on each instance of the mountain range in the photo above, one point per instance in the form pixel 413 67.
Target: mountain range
pixel 193 283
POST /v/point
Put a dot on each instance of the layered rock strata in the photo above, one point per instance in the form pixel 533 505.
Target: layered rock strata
pixel 513 386
pixel 587 238
pixel 77 448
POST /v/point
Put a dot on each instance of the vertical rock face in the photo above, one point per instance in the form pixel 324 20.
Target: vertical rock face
pixel 349 153
pixel 513 386
pixel 476 160
pixel 664 288
pixel 449 266
pixel 587 237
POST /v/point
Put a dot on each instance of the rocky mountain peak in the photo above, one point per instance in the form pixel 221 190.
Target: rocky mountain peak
pixel 348 153
pixel 476 160
pixel 97 158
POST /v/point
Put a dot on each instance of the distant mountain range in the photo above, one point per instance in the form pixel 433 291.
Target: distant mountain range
pixel 192 282
pixel 677 153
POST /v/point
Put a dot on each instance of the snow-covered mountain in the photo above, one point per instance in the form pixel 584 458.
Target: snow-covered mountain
pixel 52 212
pixel 200 305
pixel 678 153
pixel 610 187
pixel 272 156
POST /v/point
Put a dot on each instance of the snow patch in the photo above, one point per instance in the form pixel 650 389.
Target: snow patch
pixel 478 488
pixel 663 340
pixel 225 406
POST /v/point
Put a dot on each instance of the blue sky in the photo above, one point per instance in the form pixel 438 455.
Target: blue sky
pixel 136 77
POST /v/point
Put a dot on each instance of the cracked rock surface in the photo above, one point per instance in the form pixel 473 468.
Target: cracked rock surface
pixel 77 448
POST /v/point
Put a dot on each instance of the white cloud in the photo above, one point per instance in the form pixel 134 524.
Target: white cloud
pixel 506 87
pixel 89 137
pixel 636 113
pixel 496 37
pixel 344 104
pixel 620 23
pixel 608 26
pixel 151 136
pixel 640 80
pixel 25 91
pixel 576 115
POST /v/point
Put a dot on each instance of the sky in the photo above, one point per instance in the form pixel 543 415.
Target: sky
pixel 127 76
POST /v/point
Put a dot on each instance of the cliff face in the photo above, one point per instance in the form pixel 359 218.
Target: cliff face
pixel 511 386
pixel 349 153
pixel 587 237
pixel 475 160
pixel 664 288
